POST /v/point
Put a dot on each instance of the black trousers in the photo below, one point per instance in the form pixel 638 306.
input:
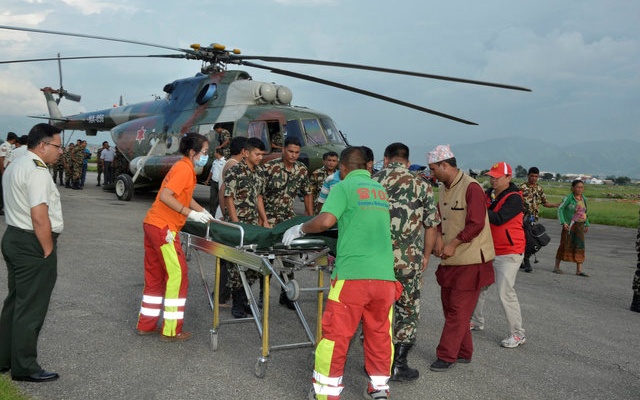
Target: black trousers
pixel 31 279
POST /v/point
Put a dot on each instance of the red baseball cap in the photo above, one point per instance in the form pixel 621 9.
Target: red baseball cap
pixel 500 169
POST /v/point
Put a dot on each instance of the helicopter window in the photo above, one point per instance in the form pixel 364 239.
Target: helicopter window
pixel 313 131
pixel 332 132
pixel 258 129
pixel 206 94
pixel 293 130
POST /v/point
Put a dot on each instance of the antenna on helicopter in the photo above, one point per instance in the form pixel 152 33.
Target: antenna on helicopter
pixel 61 92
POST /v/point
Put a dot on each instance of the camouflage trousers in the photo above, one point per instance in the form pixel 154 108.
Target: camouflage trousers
pixel 77 172
pixel 407 308
pixel 235 281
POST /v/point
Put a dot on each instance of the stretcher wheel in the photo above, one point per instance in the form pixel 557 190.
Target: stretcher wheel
pixel 292 289
pixel 260 369
pixel 213 341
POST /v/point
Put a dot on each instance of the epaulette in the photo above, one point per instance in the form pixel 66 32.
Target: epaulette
pixel 39 163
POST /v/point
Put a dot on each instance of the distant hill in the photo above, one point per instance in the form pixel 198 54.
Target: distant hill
pixel 600 158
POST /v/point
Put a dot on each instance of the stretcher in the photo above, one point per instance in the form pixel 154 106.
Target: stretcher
pixel 260 249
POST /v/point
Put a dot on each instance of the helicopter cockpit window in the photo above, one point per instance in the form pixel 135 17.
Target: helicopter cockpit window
pixel 332 132
pixel 293 130
pixel 313 131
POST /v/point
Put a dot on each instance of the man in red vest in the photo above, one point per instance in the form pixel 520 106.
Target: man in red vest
pixel 504 206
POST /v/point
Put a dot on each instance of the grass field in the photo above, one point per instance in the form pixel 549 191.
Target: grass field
pixel 606 205
pixel 8 391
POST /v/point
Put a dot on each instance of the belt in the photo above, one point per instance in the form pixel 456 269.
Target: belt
pixel 54 234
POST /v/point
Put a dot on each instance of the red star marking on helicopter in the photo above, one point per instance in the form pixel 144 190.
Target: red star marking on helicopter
pixel 140 134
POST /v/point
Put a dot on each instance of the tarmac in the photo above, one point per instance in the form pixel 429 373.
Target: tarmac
pixel 582 340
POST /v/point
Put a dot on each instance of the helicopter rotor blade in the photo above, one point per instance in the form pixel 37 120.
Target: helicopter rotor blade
pixel 93 57
pixel 60 70
pixel 376 69
pixel 82 35
pixel 358 90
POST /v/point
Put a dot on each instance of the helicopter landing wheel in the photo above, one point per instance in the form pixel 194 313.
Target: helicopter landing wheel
pixel 124 187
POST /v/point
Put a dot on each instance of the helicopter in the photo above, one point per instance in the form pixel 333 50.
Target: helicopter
pixel 148 133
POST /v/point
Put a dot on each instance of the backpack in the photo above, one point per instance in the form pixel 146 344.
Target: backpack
pixel 536 236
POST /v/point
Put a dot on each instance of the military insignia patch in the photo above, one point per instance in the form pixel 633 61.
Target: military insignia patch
pixel 39 164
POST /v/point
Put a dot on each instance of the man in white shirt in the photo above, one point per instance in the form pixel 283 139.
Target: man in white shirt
pixel 106 158
pixel 214 179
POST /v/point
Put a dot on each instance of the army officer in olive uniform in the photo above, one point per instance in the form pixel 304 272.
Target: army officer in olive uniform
pixel 34 219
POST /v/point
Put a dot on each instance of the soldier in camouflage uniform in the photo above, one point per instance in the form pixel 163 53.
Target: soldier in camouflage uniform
pixel 68 164
pixel 412 209
pixel 224 139
pixel 58 170
pixel 284 178
pixel 244 204
pixel 77 159
pixel 99 164
pixel 635 304
pixel 317 178
pixel 120 164
pixel 533 196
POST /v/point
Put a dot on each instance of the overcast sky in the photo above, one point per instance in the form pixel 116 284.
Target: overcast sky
pixel 580 58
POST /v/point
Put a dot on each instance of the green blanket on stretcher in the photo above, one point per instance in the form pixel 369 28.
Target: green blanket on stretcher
pixel 264 238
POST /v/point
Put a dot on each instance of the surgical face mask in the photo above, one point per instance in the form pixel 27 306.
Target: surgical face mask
pixel 202 161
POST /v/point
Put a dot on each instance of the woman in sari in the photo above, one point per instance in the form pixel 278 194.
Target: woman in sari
pixel 572 214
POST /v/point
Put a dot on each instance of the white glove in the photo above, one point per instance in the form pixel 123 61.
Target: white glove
pixel 198 216
pixel 208 214
pixel 292 233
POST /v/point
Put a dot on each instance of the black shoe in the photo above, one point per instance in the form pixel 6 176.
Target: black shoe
pixel 284 300
pixel 42 376
pixel 441 365
pixel 4 370
pixel 239 305
pixel 98 184
pixel 635 303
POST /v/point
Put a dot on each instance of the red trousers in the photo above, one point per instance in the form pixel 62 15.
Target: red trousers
pixel 456 341
pixel 165 281
pixel 348 303
pixel 460 289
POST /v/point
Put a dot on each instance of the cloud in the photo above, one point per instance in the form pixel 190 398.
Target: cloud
pixel 88 7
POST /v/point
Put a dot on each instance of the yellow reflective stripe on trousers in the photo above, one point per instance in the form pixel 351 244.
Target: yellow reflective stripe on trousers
pixel 336 288
pixel 174 280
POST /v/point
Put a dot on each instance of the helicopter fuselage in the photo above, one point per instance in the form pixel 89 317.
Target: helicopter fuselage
pixel 148 134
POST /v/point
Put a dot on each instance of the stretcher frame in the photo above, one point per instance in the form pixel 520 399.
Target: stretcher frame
pixel 268 264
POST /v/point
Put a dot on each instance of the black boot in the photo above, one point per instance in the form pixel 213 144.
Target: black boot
pixel 239 303
pixel 284 300
pixel 527 265
pixel 400 370
pixel 635 303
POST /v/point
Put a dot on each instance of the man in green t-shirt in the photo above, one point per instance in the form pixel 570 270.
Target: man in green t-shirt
pixel 363 284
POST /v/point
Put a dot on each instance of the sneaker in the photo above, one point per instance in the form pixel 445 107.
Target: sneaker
pixel 475 327
pixel 376 394
pixel 513 341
